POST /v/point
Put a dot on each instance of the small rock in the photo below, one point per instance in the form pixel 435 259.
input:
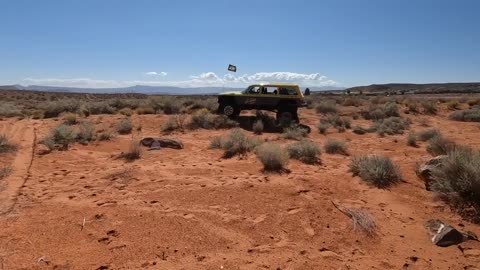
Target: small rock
pixel 42 150
pixel 443 234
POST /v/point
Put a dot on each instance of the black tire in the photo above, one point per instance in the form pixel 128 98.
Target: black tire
pixel 228 110
pixel 287 117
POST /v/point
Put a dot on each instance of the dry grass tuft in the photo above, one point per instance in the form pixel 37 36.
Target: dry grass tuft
pixel 361 218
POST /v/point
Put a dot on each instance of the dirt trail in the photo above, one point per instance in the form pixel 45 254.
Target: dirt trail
pixel 23 134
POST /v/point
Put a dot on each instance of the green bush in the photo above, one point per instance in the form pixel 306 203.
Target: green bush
pixel 379 171
pixel 326 107
pixel 86 133
pixel 236 143
pixel 272 156
pixel 70 119
pixel 428 134
pixel 99 107
pixel 439 145
pixel 377 112
pixel 294 132
pixel 5 145
pixel 125 126
pixel 55 108
pixel 470 115
pixel 62 135
pixel 333 146
pixel 391 126
pixel 5 171
pixel 305 151
pixel 412 139
pixel 458 180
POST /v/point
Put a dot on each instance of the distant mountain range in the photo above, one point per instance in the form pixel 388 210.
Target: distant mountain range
pixel 141 89
pixel 473 87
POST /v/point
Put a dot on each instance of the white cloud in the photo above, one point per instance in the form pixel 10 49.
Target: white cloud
pixel 201 80
pixel 154 73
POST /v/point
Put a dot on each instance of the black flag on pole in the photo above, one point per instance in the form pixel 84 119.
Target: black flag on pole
pixel 232 68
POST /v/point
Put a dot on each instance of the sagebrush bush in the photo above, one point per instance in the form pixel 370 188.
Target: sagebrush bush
pixel 236 143
pixel 5 145
pixel 305 151
pixel 412 139
pixel 206 120
pixel 5 171
pixel 105 136
pixel 326 107
pixel 453 105
pixel 62 135
pixel 70 119
pixel 272 156
pixel 458 180
pixel 134 151
pixel 294 132
pixel 86 133
pixel 99 107
pixel 173 123
pixel 360 130
pixel 377 112
pixel 469 115
pixel 333 146
pixel 145 110
pixel 352 101
pixel 55 108
pixel 336 121
pixel 9 110
pixel 412 107
pixel 391 126
pixel 429 107
pixel 379 171
pixel 323 127
pixel 428 134
pixel 257 127
pixel 125 126
pixel 126 111
pixel 438 145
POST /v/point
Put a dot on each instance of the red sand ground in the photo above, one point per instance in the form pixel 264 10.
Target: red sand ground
pixel 190 209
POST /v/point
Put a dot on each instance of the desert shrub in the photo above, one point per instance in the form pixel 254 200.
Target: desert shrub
pixel 272 156
pixel 5 145
pixel 105 136
pixel 99 107
pixel 429 107
pixel 458 181
pixel 236 143
pixel 438 145
pixel 333 146
pixel 470 115
pixel 323 127
pixel 377 112
pixel 336 121
pixel 352 101
pixel 171 105
pixel 391 126
pixel 145 110
pixel 134 152
pixel 412 139
pixel 55 108
pixel 62 135
pixel 216 143
pixel 5 171
pixel 125 126
pixel 126 111
pixel 473 102
pixel 38 114
pixel 9 110
pixel 206 120
pixel 86 133
pixel 453 105
pixel 326 107
pixel 428 134
pixel 360 130
pixel 412 107
pixel 211 104
pixel 258 127
pixel 305 151
pixel 379 171
pixel 70 119
pixel 174 122
pixel 294 132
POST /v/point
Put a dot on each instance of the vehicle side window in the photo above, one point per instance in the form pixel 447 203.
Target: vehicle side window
pixel 290 91
pixel 270 90
pixel 254 90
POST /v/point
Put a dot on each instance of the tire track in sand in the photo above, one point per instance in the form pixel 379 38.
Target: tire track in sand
pixel 24 135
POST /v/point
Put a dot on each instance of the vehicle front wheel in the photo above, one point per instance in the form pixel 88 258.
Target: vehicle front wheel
pixel 228 110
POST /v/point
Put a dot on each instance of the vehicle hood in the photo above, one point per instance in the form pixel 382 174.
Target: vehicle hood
pixel 231 93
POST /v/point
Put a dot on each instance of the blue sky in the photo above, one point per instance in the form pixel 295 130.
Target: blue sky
pixel 107 43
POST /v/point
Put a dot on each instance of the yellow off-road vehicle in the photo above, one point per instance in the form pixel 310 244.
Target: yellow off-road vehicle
pixel 284 99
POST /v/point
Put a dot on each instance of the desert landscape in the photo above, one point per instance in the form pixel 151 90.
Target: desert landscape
pixel 78 191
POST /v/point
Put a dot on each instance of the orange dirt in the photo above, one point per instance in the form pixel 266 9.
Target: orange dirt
pixel 190 209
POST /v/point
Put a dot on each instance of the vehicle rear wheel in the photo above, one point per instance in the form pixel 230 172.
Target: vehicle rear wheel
pixel 228 110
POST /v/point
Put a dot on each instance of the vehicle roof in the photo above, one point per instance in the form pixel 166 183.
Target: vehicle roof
pixel 274 84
